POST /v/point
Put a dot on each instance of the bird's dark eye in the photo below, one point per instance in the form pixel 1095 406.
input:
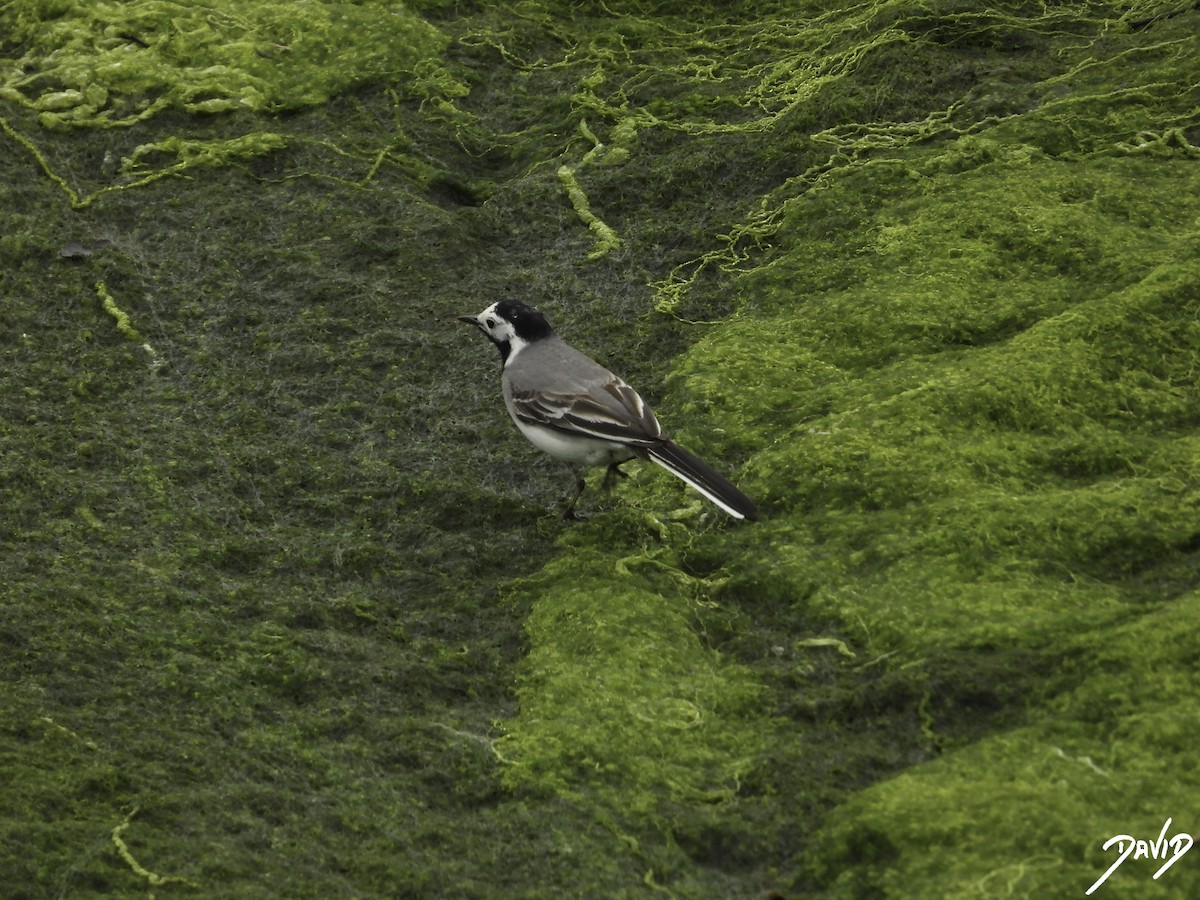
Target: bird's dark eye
pixel 491 323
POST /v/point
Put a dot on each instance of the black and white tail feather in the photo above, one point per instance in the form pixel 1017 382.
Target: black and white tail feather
pixel 573 408
pixel 704 478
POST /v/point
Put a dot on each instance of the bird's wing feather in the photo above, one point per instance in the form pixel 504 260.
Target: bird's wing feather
pixel 613 412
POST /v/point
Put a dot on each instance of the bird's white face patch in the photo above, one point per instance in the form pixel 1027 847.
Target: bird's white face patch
pixel 500 331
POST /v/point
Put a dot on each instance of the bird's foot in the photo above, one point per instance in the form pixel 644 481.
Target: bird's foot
pixel 610 477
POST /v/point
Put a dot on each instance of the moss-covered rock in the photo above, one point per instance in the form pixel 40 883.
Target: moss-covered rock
pixel 288 607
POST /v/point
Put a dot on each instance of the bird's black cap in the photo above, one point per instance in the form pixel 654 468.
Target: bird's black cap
pixel 529 324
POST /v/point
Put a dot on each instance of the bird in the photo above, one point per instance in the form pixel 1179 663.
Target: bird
pixel 577 411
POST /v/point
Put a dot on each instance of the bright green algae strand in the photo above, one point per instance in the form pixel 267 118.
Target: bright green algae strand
pixel 954 362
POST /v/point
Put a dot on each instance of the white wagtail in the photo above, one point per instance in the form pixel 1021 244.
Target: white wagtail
pixel 576 410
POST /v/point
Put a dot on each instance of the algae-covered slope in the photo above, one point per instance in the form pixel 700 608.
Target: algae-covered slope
pixel 994 461
pixel 961 369
pixel 288 609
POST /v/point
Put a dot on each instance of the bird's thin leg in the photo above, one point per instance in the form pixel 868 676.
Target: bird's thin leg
pixel 614 472
pixel 580 484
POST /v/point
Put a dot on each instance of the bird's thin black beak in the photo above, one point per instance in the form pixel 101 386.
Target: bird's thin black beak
pixel 470 320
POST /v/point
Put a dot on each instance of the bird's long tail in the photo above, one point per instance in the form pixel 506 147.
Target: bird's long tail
pixel 704 478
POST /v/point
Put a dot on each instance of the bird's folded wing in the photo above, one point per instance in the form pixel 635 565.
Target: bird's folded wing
pixel 614 412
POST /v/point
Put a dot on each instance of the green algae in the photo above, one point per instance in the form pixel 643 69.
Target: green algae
pixel 120 64
pixel 152 878
pixel 1022 810
pixel 606 239
pixel 989 428
pixel 116 64
pixel 622 706
pixel 951 255
pixel 977 393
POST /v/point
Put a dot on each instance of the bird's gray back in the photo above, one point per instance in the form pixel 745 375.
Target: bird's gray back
pixel 555 366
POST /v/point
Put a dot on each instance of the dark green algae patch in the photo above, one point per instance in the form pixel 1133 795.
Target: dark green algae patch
pixel 277 625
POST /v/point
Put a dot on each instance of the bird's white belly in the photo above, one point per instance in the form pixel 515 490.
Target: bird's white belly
pixel 578 450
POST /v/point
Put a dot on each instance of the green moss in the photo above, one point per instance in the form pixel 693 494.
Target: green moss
pixel 327 638
pixel 986 423
pixel 117 64
pixel 959 369
pixel 1025 812
pixel 623 707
